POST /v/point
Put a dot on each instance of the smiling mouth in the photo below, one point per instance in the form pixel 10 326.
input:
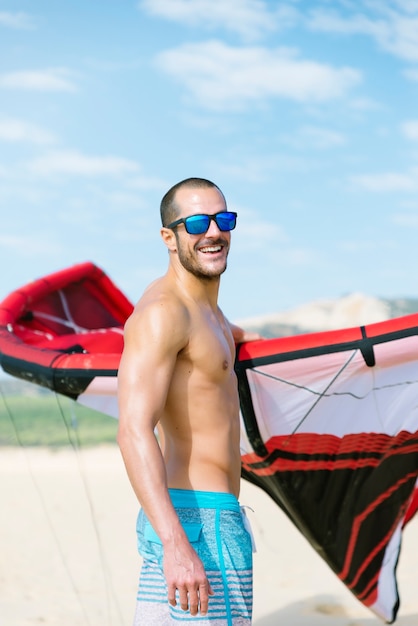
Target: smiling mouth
pixel 210 249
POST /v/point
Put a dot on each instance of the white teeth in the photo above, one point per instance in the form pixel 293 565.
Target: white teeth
pixel 211 249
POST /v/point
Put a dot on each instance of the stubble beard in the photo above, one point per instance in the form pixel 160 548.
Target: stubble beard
pixel 192 265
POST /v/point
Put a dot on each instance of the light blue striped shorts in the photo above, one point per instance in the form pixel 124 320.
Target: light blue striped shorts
pixel 215 527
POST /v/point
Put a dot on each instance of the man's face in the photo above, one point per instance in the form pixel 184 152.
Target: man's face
pixel 205 255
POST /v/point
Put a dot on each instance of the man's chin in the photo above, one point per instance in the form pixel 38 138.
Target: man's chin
pixel 208 274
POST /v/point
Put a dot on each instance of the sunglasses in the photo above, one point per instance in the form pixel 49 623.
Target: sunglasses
pixel 199 224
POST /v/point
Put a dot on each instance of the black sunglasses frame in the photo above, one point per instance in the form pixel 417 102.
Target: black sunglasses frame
pixel 184 220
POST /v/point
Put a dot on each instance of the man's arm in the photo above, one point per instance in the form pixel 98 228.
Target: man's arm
pixel 154 335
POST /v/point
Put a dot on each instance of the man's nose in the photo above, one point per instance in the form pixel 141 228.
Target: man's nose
pixel 213 229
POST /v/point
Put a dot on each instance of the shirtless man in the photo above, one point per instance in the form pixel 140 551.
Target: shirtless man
pixel 177 375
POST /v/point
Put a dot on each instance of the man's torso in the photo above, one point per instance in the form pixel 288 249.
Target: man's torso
pixel 201 419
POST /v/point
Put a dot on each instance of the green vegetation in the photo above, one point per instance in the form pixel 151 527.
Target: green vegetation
pixel 46 419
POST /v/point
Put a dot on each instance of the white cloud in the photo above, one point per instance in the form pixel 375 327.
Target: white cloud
pixel 402 38
pixel 363 246
pixel 317 138
pixel 254 232
pixel 409 220
pixel 409 6
pixel 4 172
pixel 411 74
pixel 15 130
pixel 392 30
pixel 30 246
pixel 221 76
pixel 75 163
pixel 410 130
pixel 332 22
pixel 259 168
pixel 364 104
pixel 388 181
pixel 247 18
pixel 410 204
pixel 251 168
pixel 55 79
pixel 144 183
pixel 17 20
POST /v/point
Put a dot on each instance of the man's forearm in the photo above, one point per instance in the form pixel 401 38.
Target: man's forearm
pixel 146 471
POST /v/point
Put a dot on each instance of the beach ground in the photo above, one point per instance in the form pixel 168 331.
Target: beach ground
pixel 68 550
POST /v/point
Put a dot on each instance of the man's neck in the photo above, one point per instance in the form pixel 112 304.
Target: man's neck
pixel 203 290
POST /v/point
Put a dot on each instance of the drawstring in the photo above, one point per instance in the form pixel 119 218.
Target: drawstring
pixel 247 525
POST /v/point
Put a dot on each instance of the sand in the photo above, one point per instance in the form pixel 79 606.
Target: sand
pixel 68 553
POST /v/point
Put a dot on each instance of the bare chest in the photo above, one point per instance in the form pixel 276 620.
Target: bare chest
pixel 211 349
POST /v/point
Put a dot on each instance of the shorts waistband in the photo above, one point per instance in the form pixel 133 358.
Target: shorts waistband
pixel 203 499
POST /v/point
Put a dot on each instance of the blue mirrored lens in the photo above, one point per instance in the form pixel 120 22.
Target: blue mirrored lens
pixel 225 221
pixel 198 224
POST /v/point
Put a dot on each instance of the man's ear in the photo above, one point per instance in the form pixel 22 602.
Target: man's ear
pixel 169 239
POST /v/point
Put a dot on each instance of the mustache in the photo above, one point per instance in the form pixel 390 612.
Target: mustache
pixel 213 242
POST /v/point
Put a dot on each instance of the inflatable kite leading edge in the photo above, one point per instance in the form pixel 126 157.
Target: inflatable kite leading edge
pixel 329 420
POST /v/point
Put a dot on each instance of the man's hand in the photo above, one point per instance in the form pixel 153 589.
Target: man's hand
pixel 184 572
pixel 240 335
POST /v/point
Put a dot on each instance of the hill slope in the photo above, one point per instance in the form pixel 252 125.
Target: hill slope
pixel 355 309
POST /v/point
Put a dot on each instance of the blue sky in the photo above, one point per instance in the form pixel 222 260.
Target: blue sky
pixel 305 113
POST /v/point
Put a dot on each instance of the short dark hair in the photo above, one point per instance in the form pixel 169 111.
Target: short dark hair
pixel 169 210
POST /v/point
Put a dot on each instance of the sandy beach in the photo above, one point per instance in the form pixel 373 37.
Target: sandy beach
pixel 68 551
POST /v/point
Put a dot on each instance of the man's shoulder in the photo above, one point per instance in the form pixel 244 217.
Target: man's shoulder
pixel 160 309
pixel 160 296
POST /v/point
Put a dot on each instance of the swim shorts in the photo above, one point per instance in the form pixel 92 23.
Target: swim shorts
pixel 215 526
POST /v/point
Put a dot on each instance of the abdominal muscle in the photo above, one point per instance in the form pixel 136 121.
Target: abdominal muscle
pixel 200 423
pixel 202 452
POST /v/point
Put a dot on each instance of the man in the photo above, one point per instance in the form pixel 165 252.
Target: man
pixel 177 375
